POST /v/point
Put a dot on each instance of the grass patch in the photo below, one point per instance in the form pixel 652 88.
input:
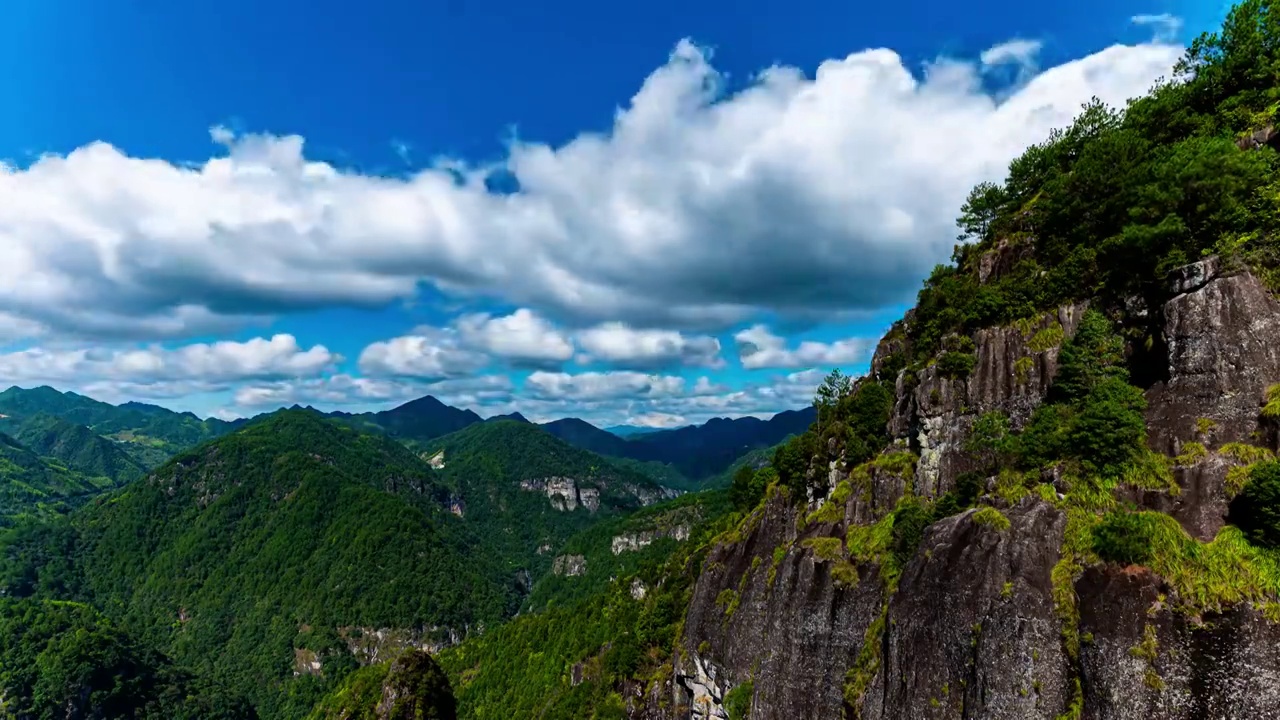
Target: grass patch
pixel 825 548
pixel 859 678
pixel 1192 453
pixel 1022 369
pixel 991 518
pixel 1271 408
pixel 1047 339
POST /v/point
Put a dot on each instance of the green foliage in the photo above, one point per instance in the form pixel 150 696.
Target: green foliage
pixel 825 549
pixel 1256 510
pixel 36 487
pixel 1124 537
pixel 737 702
pixel 909 521
pixel 956 365
pixel 227 551
pixel 147 433
pixel 416 686
pixel 1271 408
pixel 62 659
pixel 661 523
pixel 523 668
pixel 992 518
pixel 748 486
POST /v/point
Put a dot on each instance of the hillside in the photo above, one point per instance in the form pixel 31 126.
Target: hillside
pixel 147 433
pixel 76 446
pixel 32 486
pixel 695 452
pixel 526 491
pixel 65 660
pixel 280 545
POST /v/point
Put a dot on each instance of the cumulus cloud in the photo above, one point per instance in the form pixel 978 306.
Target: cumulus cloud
pixel 602 385
pixel 168 371
pixel 795 195
pixel 759 348
pixel 624 346
pixel 430 353
pixel 521 337
pixel 1164 26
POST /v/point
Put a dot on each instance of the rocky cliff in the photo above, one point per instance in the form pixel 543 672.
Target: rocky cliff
pixel 819 608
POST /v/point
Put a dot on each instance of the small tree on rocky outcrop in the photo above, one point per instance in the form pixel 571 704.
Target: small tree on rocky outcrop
pixel 1256 510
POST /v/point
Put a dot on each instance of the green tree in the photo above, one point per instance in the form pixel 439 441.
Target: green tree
pixel 1256 510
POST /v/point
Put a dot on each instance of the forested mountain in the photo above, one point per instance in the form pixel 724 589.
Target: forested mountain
pixel 280 545
pixel 526 491
pixel 78 447
pixel 147 433
pixel 32 486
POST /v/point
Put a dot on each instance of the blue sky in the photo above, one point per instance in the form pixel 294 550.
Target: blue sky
pixel 646 214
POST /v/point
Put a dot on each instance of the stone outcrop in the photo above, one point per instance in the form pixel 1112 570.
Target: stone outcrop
pixel 569 565
pixel 374 645
pixel 1222 334
pixel 569 494
pixel 974 625
pixel 631 542
pixel 1014 367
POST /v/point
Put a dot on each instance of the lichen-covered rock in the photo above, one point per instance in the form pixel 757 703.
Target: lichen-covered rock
pixel 569 565
pixel 972 630
pixel 1143 660
pixel 1014 367
pixel 784 623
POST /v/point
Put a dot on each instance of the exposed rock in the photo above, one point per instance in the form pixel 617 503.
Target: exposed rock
pixel 374 645
pixel 1262 137
pixel 972 630
pixel 793 630
pixel 569 565
pixel 306 662
pixel 1013 371
pixel 1222 334
pixel 1218 667
pixel 631 542
pixel 416 689
pixel 638 589
pixel 1000 260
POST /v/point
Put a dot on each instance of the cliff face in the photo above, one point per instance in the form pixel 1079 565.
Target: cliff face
pixel 809 617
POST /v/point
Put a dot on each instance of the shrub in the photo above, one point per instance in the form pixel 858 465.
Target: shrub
pixel 1124 537
pixel 1256 510
pixel 956 365
pixel 737 702
pixel 909 522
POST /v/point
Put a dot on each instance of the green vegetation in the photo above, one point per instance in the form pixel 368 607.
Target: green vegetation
pixel 737 702
pixel 661 525
pixel 485 465
pixel 227 555
pixel 149 434
pixel 414 684
pixel 1256 510
pixel 992 518
pixel 35 487
pixel 60 659
pixel 525 667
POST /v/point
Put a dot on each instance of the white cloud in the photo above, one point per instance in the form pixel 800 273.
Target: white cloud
pixel 758 348
pixel 624 346
pixel 521 337
pixel 602 385
pixel 430 354
pixel 343 389
pixel 168 372
pixel 795 195
pixel 1164 26
pixel 1022 53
